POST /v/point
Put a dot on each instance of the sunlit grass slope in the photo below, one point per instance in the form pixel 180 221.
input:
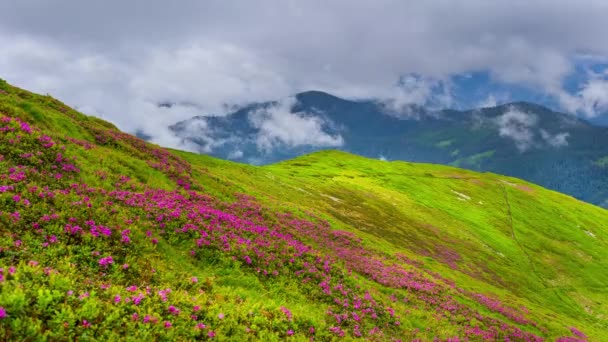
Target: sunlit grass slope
pixel 488 232
pixel 106 237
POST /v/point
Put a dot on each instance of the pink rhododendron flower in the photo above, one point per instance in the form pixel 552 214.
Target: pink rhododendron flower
pixel 106 261
pixel 173 310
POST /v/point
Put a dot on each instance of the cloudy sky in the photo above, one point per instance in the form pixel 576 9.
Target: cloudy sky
pixel 119 59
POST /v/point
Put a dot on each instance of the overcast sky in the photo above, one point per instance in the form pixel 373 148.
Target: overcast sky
pixel 118 59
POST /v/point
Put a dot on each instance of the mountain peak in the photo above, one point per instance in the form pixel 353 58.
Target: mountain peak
pixel 319 98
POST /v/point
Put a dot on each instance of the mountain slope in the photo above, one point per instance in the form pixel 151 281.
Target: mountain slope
pixel 517 237
pixel 522 140
pixel 104 236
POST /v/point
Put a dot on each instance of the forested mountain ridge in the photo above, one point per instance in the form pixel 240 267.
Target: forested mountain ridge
pixel 520 139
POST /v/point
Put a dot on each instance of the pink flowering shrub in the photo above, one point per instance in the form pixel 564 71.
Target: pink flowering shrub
pixel 89 248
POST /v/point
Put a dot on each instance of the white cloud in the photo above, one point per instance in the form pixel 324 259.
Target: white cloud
pixel 429 92
pixel 277 125
pixel 209 75
pixel 490 101
pixel 196 135
pixel 556 140
pixel 107 61
pixel 591 100
pixel 517 126
pixel 236 154
pixel 546 71
pixel 200 130
pixel 494 99
pixel 205 77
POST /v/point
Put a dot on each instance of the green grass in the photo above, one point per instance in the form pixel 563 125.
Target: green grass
pixel 545 260
pixel 490 234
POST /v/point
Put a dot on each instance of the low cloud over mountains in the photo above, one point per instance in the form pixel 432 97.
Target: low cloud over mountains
pixel 215 55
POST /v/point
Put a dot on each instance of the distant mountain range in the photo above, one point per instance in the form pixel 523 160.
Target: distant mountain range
pixel 525 140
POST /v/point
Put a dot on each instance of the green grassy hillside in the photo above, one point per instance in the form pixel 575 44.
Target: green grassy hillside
pixel 104 236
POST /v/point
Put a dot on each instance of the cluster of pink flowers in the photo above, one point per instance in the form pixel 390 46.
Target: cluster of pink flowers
pixel 577 333
pixel 106 261
pixel 163 294
pixel 124 236
pixel 173 310
pixel 287 313
pixel 25 127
